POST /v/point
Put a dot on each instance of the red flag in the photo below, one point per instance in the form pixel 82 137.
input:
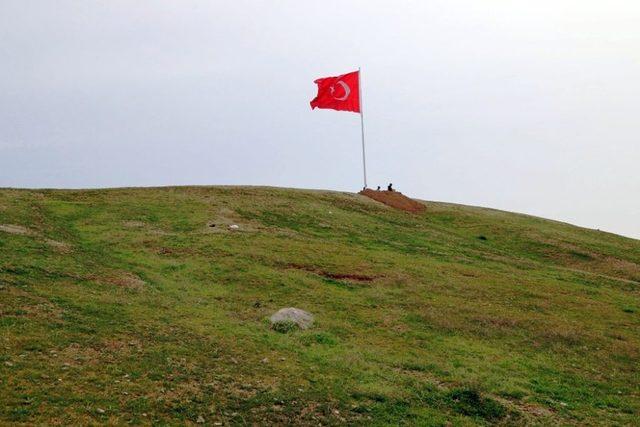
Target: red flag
pixel 338 93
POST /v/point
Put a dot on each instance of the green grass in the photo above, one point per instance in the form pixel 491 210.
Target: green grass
pixel 460 315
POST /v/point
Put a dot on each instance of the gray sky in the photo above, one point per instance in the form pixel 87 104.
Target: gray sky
pixel 518 105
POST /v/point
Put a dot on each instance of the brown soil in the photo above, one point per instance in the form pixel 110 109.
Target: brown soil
pixel 344 276
pixel 395 199
pixel 126 280
pixel 335 276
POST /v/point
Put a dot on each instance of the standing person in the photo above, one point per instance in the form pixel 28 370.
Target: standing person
pixel 390 187
pixel 378 189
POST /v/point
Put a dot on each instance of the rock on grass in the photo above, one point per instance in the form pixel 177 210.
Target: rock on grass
pixel 290 318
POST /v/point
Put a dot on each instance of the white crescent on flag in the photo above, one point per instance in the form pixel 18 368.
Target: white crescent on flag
pixel 347 91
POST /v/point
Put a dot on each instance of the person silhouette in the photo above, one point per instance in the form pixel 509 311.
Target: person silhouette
pixel 378 189
pixel 390 187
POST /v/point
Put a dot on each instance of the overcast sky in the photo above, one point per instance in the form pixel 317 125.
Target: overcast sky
pixel 527 106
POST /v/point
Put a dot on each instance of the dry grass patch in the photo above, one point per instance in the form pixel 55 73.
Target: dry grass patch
pixel 134 224
pixel 61 247
pixel 24 231
pixel 125 280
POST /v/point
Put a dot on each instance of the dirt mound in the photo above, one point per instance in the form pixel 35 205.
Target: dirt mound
pixel 395 199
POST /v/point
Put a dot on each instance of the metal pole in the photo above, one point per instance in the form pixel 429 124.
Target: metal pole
pixel 364 163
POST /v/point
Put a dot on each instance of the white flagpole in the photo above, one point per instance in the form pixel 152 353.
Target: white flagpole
pixel 364 163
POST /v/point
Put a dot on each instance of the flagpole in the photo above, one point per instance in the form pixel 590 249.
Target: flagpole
pixel 364 163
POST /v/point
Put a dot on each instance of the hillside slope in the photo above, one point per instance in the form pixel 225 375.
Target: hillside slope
pixel 140 305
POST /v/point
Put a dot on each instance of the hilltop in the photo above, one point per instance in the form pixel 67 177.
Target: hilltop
pixel 144 306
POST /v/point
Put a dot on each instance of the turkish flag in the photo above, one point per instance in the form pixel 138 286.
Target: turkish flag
pixel 340 93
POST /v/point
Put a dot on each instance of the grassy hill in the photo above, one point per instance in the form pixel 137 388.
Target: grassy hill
pixel 128 305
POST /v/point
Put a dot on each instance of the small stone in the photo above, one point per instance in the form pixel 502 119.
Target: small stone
pixel 200 419
pixel 234 227
pixel 8 363
pixel 100 411
pixel 265 360
pixel 217 423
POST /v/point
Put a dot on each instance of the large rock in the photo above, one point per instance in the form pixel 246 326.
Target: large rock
pixel 288 318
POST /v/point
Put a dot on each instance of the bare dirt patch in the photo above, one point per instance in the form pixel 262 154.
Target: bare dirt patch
pixel 59 246
pixel 535 410
pixel 77 355
pixel 175 251
pixel 133 224
pixel 352 277
pixel 346 276
pixel 165 251
pixel 15 229
pixel 24 231
pixel 126 280
pixel 395 199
